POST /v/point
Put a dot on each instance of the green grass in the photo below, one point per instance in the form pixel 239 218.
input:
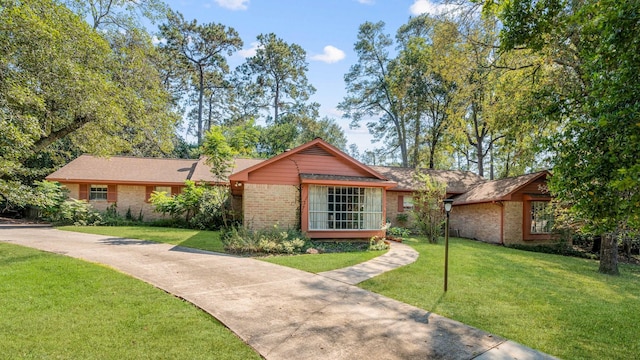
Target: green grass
pixel 197 239
pixel 559 305
pixel 55 307
pixel 323 262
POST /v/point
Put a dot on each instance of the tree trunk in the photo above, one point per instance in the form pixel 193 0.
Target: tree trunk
pixel 200 101
pixel 609 255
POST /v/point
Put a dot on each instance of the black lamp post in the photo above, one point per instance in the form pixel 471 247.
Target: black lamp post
pixel 448 204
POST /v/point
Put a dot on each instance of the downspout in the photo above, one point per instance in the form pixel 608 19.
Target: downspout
pixel 501 204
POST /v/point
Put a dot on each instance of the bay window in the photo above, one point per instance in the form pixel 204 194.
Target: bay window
pixel 344 208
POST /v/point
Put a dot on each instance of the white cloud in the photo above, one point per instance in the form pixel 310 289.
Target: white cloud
pixel 155 40
pixel 233 4
pixel 366 2
pixel 429 7
pixel 330 55
pixel 246 53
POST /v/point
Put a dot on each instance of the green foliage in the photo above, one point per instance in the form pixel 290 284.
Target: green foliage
pixel 65 89
pixel 200 48
pixel 377 244
pixel 428 212
pixel 219 153
pixel 399 231
pixel 267 241
pixel 595 45
pixel 200 205
pixel 75 212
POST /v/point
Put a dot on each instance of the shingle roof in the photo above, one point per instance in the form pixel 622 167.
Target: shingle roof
pixel 203 170
pixel 134 170
pixel 497 189
pixel 457 181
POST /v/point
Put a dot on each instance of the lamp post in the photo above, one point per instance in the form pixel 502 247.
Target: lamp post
pixel 448 204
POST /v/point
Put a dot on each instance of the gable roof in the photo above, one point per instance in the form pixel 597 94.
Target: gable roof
pixel 497 190
pixel 315 147
pixel 457 181
pixel 203 172
pixel 135 170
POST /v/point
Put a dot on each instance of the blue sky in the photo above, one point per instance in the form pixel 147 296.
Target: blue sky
pixel 325 29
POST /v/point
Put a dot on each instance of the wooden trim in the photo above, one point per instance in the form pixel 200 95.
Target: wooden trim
pixel 345 234
pixel 400 203
pixel 83 192
pixel 370 184
pixel 304 208
pixel 526 220
pixel 112 193
pixel 175 190
pixel 147 193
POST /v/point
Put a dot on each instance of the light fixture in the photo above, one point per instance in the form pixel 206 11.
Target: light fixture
pixel 448 204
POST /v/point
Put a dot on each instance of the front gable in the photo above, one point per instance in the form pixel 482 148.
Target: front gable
pixel 314 158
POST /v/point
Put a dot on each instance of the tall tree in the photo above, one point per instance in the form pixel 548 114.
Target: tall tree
pixel 595 43
pixel 203 46
pixel 418 76
pixel 62 87
pixel 276 78
pixel 116 15
pixel 370 94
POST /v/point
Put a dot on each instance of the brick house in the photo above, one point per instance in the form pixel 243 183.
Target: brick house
pixel 127 182
pixel 322 191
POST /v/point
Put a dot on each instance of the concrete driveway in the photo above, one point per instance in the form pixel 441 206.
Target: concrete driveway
pixel 282 313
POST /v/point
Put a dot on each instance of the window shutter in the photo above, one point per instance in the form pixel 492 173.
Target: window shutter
pixel 147 193
pixel 175 190
pixel 400 203
pixel 83 192
pixel 112 193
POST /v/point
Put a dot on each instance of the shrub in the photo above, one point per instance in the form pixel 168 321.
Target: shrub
pixel 428 211
pixel 268 241
pixel 398 232
pixel 201 206
pixel 76 212
pixel 377 244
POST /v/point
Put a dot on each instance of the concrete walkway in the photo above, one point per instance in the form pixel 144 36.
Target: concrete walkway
pixel 282 313
pixel 398 255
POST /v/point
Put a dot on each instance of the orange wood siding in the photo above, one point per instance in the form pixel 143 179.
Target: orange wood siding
pixel 287 171
pixel 345 234
pixel 535 187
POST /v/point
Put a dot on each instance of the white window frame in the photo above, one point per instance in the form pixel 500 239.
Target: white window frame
pixel 407 202
pixel 98 192
pixel 340 208
pixel 541 218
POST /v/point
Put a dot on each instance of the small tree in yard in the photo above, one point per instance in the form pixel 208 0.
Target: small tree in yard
pixel 427 206
pixel 201 206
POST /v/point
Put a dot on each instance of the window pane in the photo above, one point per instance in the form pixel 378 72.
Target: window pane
pixel 98 192
pixel 351 208
pixel 541 217
pixel 166 189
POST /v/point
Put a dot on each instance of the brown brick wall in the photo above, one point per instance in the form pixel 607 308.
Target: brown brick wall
pixel 513 222
pixel 476 221
pixel 392 209
pixel 129 196
pixel 265 205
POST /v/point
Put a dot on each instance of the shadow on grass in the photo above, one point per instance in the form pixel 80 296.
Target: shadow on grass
pixel 123 241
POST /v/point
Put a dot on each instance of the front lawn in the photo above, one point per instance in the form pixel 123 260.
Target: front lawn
pixel 55 307
pixel 197 239
pixel 559 305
